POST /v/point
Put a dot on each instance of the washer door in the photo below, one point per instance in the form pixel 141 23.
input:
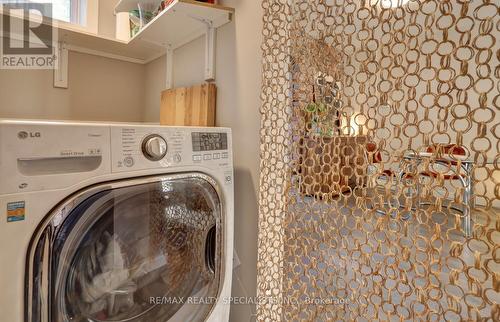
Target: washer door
pixel 136 252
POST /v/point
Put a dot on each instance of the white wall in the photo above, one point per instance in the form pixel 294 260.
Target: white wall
pixel 238 102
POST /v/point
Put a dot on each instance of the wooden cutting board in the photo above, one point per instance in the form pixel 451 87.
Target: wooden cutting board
pixel 189 106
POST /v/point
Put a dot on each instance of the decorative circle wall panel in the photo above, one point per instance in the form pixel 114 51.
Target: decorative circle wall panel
pixel 380 179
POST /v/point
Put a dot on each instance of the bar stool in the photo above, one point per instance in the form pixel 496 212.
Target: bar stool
pixel 374 156
pixel 448 155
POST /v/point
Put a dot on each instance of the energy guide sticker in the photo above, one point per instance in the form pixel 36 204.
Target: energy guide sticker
pixel 16 211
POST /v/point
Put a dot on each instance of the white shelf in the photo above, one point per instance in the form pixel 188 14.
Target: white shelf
pixel 136 52
pixel 180 23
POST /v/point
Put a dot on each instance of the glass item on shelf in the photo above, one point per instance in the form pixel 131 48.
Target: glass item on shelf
pixel 164 4
pixel 138 19
pixel 141 16
pixel 135 24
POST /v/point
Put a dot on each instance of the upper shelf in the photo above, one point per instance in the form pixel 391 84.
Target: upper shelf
pixel 180 23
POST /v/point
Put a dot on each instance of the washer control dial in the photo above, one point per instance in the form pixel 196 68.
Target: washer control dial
pixel 154 147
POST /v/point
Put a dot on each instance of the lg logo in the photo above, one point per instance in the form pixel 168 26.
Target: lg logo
pixel 24 135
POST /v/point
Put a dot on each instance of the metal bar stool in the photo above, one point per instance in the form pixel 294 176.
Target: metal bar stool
pixel 374 156
pixel 453 158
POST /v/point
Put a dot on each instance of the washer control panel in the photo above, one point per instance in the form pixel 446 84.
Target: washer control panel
pixel 209 141
pixel 154 147
pixel 209 146
pixel 210 156
pixel 140 148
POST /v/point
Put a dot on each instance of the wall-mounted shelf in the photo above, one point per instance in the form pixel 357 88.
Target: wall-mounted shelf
pixel 181 22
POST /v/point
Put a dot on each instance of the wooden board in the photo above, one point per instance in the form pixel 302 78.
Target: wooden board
pixel 189 106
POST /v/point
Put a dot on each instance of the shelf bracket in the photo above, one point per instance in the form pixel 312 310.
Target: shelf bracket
pixel 210 38
pixel 61 70
pixel 169 67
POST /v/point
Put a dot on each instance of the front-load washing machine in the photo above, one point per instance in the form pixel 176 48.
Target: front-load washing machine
pixel 114 222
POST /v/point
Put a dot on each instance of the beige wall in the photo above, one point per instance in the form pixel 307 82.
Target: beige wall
pixel 100 89
pixel 238 101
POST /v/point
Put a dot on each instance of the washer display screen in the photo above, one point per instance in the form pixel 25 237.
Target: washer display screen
pixel 209 141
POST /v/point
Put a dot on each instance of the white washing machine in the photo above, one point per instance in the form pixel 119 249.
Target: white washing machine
pixel 115 222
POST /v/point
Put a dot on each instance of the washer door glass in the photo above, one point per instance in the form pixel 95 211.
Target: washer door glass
pixel 149 252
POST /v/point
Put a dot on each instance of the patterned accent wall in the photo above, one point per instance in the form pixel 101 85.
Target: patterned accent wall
pixel 275 136
pixel 380 184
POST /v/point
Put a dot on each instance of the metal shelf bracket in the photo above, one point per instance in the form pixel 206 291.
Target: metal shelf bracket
pixel 170 67
pixel 210 47
pixel 61 70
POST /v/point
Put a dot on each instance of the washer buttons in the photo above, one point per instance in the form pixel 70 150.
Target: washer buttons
pixel 128 162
